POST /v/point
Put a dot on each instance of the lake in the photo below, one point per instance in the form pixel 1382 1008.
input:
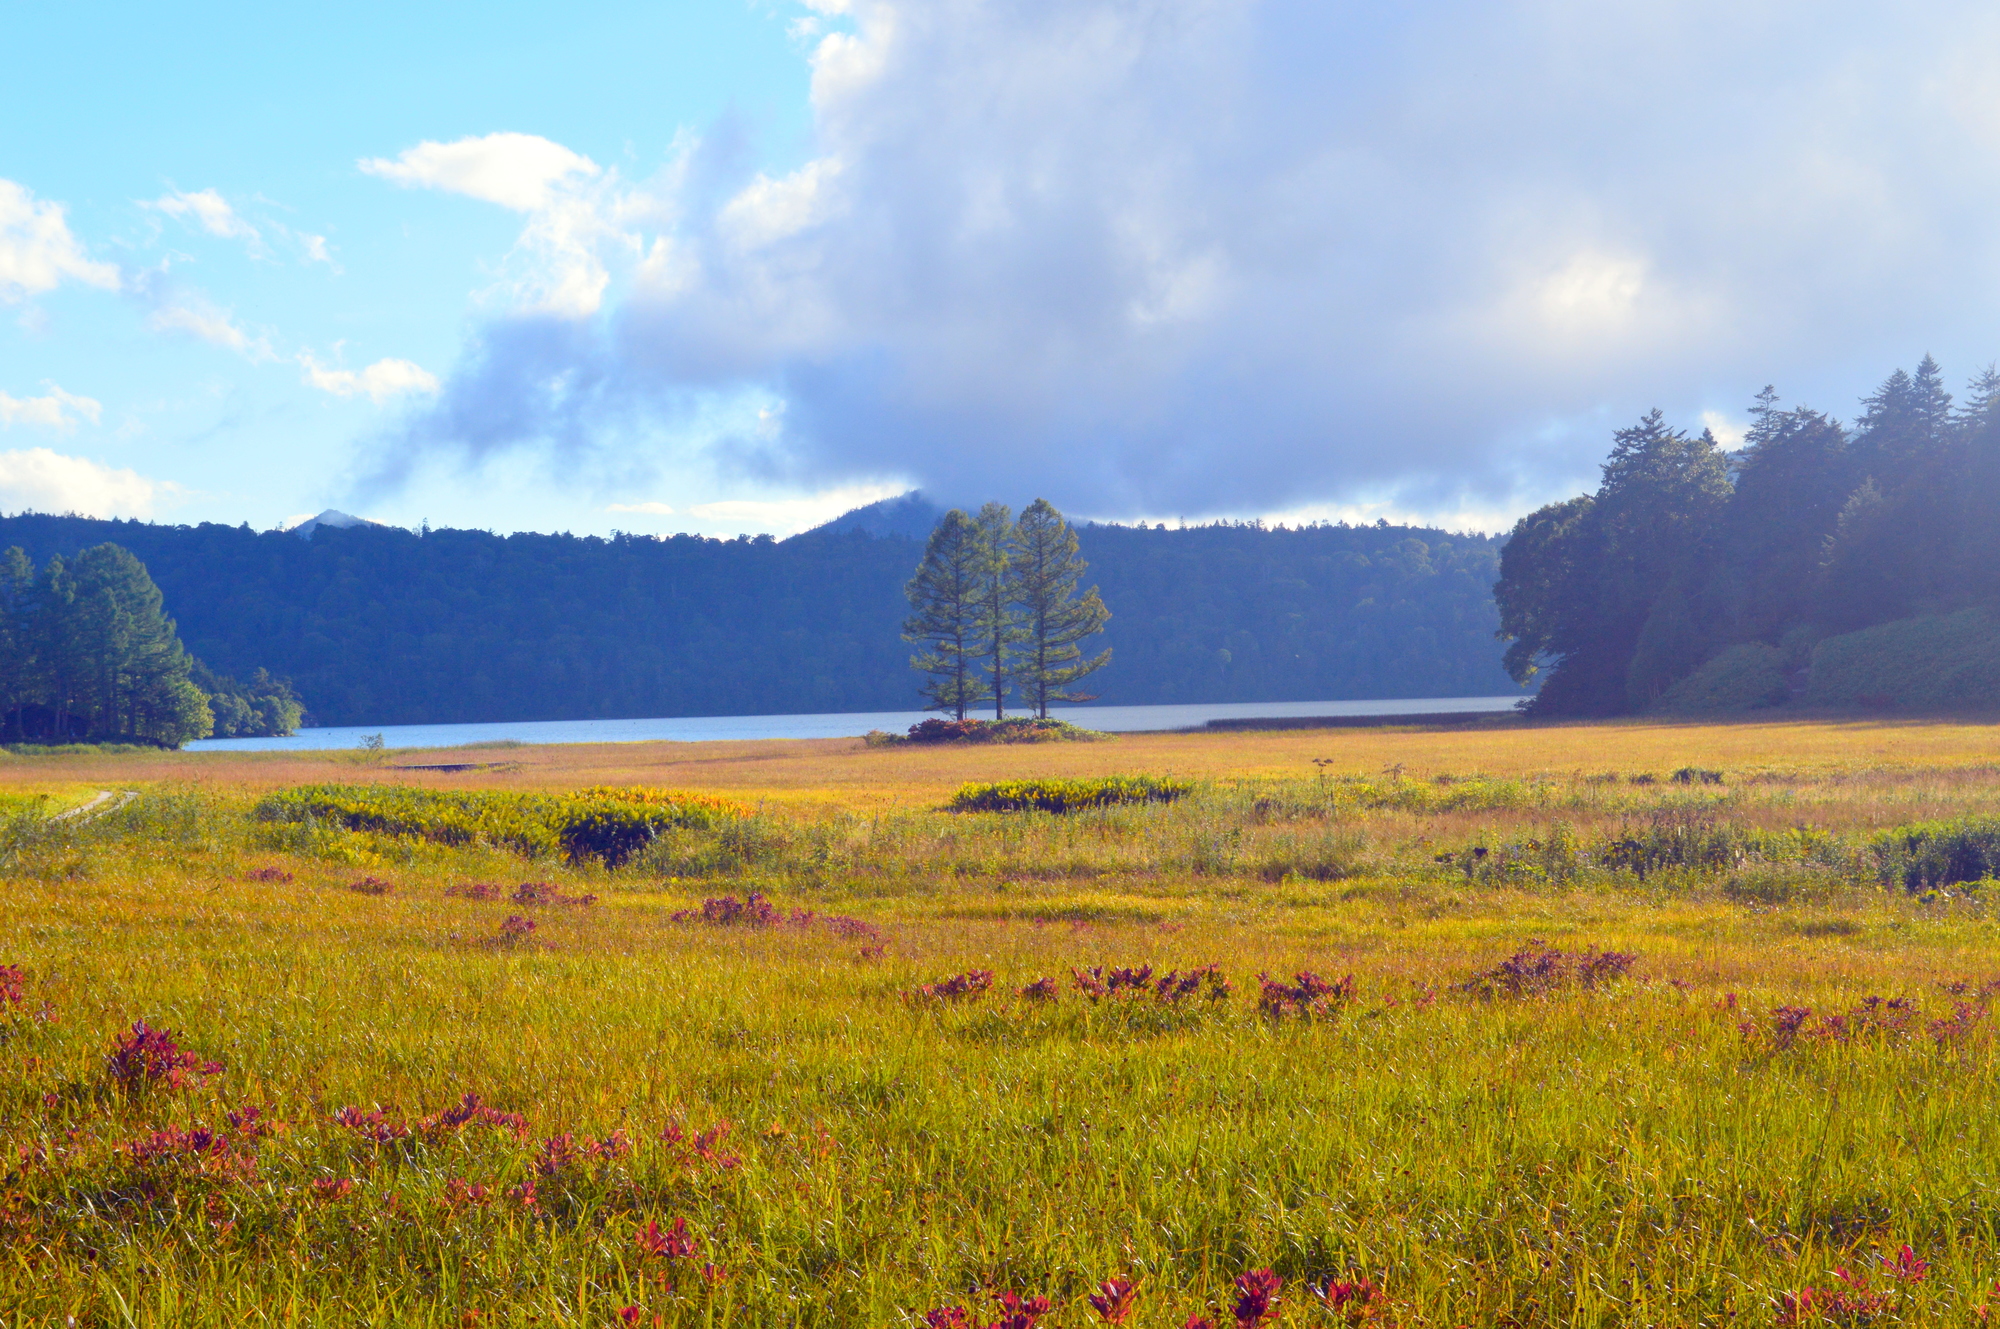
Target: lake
pixel 694 729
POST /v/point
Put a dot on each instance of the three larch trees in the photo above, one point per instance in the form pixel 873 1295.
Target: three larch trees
pixel 995 610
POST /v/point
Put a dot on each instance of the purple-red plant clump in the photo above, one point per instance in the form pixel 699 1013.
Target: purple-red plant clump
pixel 267 874
pixel 1883 1017
pixel 516 929
pixel 149 1058
pixel 13 986
pixel 1207 982
pixel 377 1127
pixel 1850 1303
pixel 1042 989
pixel 958 987
pixel 1537 969
pixel 755 912
pixel 1115 1300
pixel 546 892
pixel 1355 1300
pixel 473 890
pixel 1256 1297
pixel 371 886
pixel 673 1243
pixel 1307 996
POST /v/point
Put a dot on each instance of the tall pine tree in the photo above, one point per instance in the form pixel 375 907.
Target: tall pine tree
pixel 1055 620
pixel 1003 614
pixel 949 616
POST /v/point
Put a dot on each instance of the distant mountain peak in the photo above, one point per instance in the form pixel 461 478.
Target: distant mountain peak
pixel 334 518
pixel 910 516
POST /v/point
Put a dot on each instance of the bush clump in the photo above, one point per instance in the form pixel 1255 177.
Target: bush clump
pixel 606 824
pixel 1939 853
pixel 1068 795
pixel 1020 729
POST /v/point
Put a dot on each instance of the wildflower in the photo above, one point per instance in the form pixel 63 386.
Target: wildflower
pixel 756 912
pixel 1208 981
pixel 707 1145
pixel 1539 969
pixel 947 1317
pixel 373 1125
pixel 523 1195
pixel 1354 1299
pixel 557 1153
pixel 968 984
pixel 267 874
pixel 1019 1312
pixel 1042 989
pixel 153 1058
pixel 371 886
pixel 459 1193
pixel 516 929
pixel 615 1145
pixel 1906 1267
pixel 675 1243
pixel 333 1188
pixel 1198 1321
pixel 12 985
pixel 474 890
pixel 1115 1300
pixel 251 1122
pixel 630 1314
pixel 1256 1297
pixel 1308 995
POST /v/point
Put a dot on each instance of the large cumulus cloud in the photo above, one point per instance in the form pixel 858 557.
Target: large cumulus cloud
pixel 1197 256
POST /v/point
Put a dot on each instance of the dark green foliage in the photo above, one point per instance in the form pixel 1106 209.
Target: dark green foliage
pixel 264 707
pixel 1055 617
pixel 1017 729
pixel 87 652
pixel 1068 795
pixel 952 598
pixel 1697 582
pixel 1940 853
pixel 606 823
pixel 381 626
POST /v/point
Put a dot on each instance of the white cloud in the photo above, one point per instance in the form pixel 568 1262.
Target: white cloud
pixel 37 250
pixel 1225 256
pixel 210 211
pixel 41 480
pixel 788 516
pixel 378 382
pixel 57 410
pixel 518 171
pixel 1729 433
pixel 649 509
pixel 190 313
pixel 314 247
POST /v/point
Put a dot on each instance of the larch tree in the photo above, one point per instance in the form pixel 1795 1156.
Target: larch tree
pixel 1055 619
pixel 1003 614
pixel 949 614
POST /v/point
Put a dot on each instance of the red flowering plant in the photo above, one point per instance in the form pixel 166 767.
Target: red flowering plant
pixel 148 1059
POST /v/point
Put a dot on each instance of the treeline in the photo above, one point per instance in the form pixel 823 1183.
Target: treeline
pixel 378 625
pixel 87 652
pixel 1700 579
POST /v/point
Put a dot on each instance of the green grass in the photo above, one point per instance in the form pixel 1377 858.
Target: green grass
pixel 1617 1155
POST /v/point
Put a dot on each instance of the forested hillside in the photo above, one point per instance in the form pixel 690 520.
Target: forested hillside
pixel 377 625
pixel 1823 563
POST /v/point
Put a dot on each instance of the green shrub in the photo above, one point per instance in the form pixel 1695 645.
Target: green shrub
pixel 608 824
pixel 1939 853
pixel 1945 662
pixel 1068 795
pixel 1745 677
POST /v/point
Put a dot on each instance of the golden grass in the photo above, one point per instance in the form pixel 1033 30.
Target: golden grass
pixel 1625 1155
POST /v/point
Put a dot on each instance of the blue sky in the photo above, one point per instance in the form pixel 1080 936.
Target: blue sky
pixel 736 266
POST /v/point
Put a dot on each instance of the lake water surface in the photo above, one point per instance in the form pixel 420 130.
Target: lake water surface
pixel 1115 719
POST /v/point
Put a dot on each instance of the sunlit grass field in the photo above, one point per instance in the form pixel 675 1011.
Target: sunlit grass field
pixel 852 1101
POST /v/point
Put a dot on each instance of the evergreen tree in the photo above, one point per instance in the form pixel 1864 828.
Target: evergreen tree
pixel 1054 620
pixel 87 645
pixel 948 599
pixel 1003 615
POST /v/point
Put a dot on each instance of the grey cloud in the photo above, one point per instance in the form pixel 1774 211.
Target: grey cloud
pixel 1198 256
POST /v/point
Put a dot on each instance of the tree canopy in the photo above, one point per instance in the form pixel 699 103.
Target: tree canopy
pixel 1813 528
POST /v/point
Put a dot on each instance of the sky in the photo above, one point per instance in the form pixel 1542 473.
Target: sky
pixel 738 266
